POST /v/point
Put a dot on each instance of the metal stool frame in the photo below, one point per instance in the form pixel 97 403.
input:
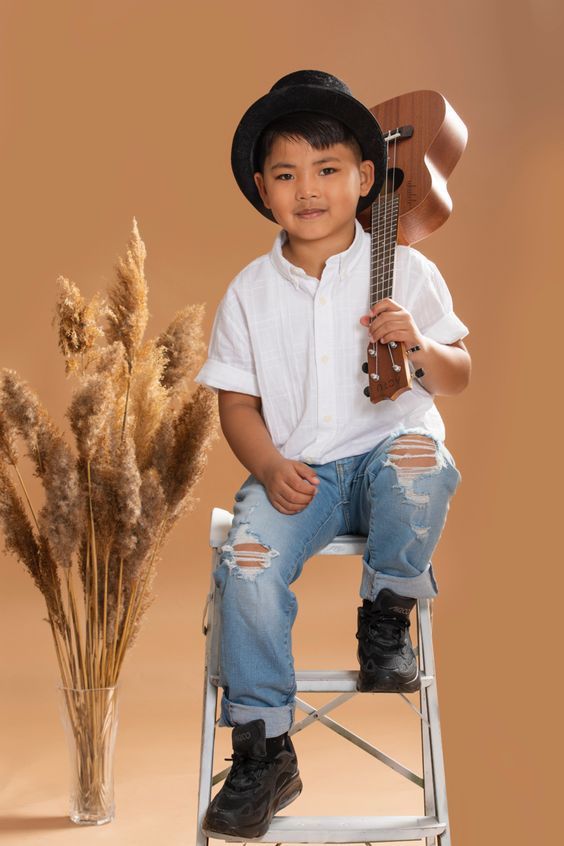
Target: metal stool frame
pixel 433 827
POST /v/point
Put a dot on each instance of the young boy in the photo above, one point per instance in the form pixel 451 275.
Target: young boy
pixel 285 357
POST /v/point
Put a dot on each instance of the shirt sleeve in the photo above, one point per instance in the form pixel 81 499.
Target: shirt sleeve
pixel 230 363
pixel 433 309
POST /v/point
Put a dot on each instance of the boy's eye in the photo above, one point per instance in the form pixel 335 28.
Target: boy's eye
pixel 283 175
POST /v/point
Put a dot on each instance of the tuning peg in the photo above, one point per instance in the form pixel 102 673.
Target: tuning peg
pixel 367 392
pixel 365 367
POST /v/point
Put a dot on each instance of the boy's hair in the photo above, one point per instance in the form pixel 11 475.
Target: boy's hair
pixel 320 131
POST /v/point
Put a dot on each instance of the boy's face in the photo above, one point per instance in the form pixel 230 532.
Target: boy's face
pixel 329 182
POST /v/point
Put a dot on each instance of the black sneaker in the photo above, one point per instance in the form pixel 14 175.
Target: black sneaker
pixel 387 660
pixel 263 779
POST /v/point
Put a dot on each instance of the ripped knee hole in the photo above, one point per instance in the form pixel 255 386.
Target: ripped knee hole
pixel 255 554
pixel 413 451
pixel 248 560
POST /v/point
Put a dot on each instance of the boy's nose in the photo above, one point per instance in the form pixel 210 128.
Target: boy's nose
pixel 305 191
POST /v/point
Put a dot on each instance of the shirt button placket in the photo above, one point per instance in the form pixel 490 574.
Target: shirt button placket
pixel 325 375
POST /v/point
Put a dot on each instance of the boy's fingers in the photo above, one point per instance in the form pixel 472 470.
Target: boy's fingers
pixel 383 305
pixel 308 474
pixel 304 480
pixel 287 508
pixel 386 303
pixel 284 506
pixel 292 498
pixel 302 490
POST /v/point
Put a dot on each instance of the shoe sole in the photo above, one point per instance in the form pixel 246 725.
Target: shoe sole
pixel 298 787
pixel 290 792
pixel 385 683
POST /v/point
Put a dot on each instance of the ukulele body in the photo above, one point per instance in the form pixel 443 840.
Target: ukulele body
pixel 426 160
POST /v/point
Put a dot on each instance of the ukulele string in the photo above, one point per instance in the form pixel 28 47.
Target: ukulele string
pixel 377 273
pixel 376 259
pixel 381 252
pixel 391 247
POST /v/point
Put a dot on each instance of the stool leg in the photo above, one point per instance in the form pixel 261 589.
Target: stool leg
pixel 433 760
pixel 206 758
pixel 208 713
pixel 428 785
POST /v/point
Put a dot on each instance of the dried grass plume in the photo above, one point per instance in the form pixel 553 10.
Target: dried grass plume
pixel 141 438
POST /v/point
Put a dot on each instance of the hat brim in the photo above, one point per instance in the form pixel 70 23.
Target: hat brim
pixel 311 98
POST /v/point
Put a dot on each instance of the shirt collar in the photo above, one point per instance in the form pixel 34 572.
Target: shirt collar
pixel 344 261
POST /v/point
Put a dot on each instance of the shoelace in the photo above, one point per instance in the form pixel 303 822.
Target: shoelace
pixel 387 628
pixel 246 771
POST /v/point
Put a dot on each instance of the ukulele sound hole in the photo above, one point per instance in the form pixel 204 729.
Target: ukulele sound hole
pixel 394 179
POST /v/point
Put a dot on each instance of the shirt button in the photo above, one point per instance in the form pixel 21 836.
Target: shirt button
pixel 327 418
pixel 324 359
pixel 322 300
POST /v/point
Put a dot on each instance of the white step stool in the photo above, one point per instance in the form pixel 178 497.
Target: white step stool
pixel 433 827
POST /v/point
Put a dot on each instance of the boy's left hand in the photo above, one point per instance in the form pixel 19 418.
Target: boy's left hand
pixel 392 323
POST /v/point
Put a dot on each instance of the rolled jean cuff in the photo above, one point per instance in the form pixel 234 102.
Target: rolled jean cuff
pixel 422 586
pixel 277 720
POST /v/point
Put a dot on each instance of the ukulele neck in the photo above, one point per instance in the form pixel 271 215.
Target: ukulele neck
pixel 384 232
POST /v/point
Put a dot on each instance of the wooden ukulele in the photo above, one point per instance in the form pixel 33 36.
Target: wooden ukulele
pixel 425 139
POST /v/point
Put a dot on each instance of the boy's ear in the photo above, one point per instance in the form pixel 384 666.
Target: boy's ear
pixel 259 182
pixel 366 176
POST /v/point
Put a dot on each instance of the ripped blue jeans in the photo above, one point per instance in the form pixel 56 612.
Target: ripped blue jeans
pixel 401 508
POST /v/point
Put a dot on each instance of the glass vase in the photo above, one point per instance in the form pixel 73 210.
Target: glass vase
pixel 90 719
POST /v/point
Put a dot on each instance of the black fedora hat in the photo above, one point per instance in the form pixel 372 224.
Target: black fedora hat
pixel 312 91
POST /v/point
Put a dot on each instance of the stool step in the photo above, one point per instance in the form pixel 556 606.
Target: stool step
pixel 346 830
pixel 329 680
pixel 335 680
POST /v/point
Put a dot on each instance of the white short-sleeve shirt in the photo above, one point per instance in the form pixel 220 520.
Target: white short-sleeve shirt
pixel 297 342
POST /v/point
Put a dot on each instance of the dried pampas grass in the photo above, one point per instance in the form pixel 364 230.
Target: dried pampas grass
pixel 141 443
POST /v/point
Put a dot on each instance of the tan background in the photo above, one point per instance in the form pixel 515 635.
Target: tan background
pixel 123 108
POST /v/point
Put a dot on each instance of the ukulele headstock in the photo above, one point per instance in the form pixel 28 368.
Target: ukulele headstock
pixel 388 371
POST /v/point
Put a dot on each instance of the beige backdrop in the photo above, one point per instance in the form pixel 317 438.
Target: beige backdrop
pixel 124 108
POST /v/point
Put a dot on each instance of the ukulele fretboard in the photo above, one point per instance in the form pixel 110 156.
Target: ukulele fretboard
pixel 384 224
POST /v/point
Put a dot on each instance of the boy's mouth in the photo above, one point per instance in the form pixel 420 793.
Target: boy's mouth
pixel 307 213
